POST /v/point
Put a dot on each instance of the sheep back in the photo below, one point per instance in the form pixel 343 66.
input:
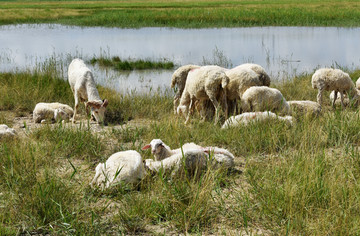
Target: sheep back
pixel 331 79
pixel 125 166
pixel 305 107
pixel 46 111
pixel 259 70
pixel 262 98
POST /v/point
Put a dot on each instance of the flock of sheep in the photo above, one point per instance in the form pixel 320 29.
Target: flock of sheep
pixel 243 92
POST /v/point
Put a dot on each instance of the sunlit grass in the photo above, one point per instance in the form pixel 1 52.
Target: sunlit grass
pixel 183 14
pixel 302 179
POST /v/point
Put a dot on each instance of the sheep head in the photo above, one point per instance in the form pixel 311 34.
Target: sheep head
pixel 98 109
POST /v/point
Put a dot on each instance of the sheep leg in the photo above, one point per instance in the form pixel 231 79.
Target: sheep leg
pixel 190 110
pixel 176 103
pixel 342 99
pixel 75 107
pixel 335 97
pixel 216 105
pixel 319 96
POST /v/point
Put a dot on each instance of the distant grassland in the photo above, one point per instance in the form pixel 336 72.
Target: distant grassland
pixel 183 14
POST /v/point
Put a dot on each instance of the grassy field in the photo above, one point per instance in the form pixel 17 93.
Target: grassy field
pixel 183 14
pixel 288 180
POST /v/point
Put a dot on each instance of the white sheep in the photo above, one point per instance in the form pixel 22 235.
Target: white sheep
pixel 161 151
pixel 328 79
pixel 354 101
pixel 262 98
pixel 247 118
pixel 5 131
pixel 125 166
pixel 259 70
pixel 240 79
pixel 51 111
pixel 358 83
pixel 204 83
pixel 191 160
pixel 84 89
pixel 178 79
pixel 305 107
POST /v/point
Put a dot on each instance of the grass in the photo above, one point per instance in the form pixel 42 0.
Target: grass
pixel 183 14
pixel 119 64
pixel 288 180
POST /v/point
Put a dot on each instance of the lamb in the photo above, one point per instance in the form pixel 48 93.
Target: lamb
pixel 262 98
pixel 305 107
pixel 5 131
pixel 333 79
pixel 83 86
pixel 51 111
pixel 259 70
pixel 161 152
pixel 125 166
pixel 207 82
pixel 250 117
pixel 193 161
pixel 179 79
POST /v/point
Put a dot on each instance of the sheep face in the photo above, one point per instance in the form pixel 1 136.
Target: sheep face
pixel 156 146
pixel 98 109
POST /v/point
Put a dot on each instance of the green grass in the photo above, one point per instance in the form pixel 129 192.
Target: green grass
pixel 288 180
pixel 119 64
pixel 183 14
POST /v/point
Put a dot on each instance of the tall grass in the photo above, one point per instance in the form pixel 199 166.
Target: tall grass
pixel 294 180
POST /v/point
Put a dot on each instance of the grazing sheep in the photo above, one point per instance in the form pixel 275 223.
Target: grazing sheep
pixel 179 79
pixel 5 131
pixel 51 111
pixel 249 117
pixel 305 107
pixel 262 98
pixel 191 160
pixel 84 89
pixel 240 79
pixel 161 151
pixel 204 83
pixel 328 79
pixel 259 70
pixel 125 166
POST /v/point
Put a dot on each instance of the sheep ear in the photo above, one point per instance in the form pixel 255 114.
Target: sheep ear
pixel 105 103
pixel 94 104
pixel 146 147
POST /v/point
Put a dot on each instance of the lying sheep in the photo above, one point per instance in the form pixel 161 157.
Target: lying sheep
pixel 305 107
pixel 179 79
pixel 83 85
pixel 52 112
pixel 262 98
pixel 125 166
pixel 250 117
pixel 204 83
pixel 193 161
pixel 328 79
pixel 161 151
pixel 5 131
pixel 259 70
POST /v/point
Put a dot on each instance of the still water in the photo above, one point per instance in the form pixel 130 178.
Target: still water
pixel 282 51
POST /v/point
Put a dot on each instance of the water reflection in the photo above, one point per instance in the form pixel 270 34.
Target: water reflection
pixel 283 51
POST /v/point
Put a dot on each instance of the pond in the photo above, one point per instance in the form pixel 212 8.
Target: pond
pixel 282 51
